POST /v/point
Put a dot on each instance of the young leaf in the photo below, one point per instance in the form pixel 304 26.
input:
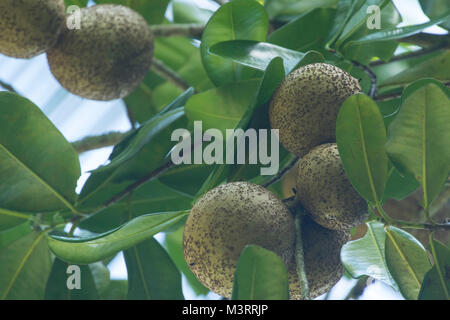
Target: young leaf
pixel 39 168
pixel 260 275
pixel 407 261
pixel 361 136
pixel 151 273
pixel 258 55
pixel 92 249
pixel 24 268
pixel 418 139
pixel 58 283
pixel 236 20
pixel 366 256
pixel 436 284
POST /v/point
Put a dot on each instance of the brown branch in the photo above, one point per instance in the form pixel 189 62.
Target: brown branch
pixel 161 69
pixel 7 86
pixel 150 176
pixel 178 30
pixel 372 76
pixel 281 173
pixel 97 142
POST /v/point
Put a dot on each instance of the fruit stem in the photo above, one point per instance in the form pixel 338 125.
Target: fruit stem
pixel 281 173
pixel 299 255
pixel 161 69
pixel 180 30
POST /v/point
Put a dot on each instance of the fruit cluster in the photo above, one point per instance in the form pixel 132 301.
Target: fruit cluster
pixel 304 108
pixel 104 56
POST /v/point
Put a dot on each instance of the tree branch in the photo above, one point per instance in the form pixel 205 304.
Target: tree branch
pixel 281 173
pixel 180 30
pixel 97 142
pixel 161 69
pixel 372 76
pixel 7 86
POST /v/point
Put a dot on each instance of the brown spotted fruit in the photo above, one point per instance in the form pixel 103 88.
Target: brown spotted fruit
pixel 224 221
pixel 325 191
pixel 323 267
pixel 29 27
pixel 107 57
pixel 305 106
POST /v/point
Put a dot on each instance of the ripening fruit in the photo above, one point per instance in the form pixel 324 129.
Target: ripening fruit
pixel 29 27
pixel 322 249
pixel 224 221
pixel 325 191
pixel 305 106
pixel 107 57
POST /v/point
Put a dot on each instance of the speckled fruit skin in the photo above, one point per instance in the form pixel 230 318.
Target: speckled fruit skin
pixel 322 249
pixel 305 105
pixel 325 191
pixel 108 57
pixel 29 27
pixel 224 221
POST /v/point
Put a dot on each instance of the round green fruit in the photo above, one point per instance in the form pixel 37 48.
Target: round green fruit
pixel 322 249
pixel 29 27
pixel 107 57
pixel 224 221
pixel 326 193
pixel 305 106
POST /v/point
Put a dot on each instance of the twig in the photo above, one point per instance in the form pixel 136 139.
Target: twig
pixel 358 289
pixel 150 176
pixel 161 69
pixel 281 173
pixel 97 142
pixel 372 76
pixel 181 30
pixel 299 256
pixel 7 86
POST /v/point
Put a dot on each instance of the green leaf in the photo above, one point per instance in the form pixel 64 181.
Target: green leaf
pixel 399 186
pixel 15 233
pixel 230 103
pixel 361 136
pixel 39 168
pixel 92 249
pixel 80 3
pixel 116 290
pixel 407 261
pixel 150 197
pixel 258 55
pixel 10 219
pixel 173 243
pixel 184 11
pixel 277 8
pixel 260 275
pixel 58 283
pixel 434 8
pixel 398 33
pixel 366 256
pixel 24 268
pixel 418 139
pixel 317 22
pixel 186 178
pixel 436 284
pixel 151 273
pixel 236 20
pixel 436 67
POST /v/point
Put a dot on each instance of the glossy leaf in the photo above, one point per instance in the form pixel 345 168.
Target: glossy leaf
pixel 38 166
pixel 361 136
pixel 116 290
pixel 407 261
pixel 24 268
pixel 10 219
pixel 59 280
pixel 258 55
pixel 15 233
pixel 418 139
pixel 436 284
pixel 434 8
pixel 277 8
pixel 236 20
pixel 151 273
pixel 366 256
pixel 260 275
pixel 92 249
pixel 184 11
pixel 399 186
